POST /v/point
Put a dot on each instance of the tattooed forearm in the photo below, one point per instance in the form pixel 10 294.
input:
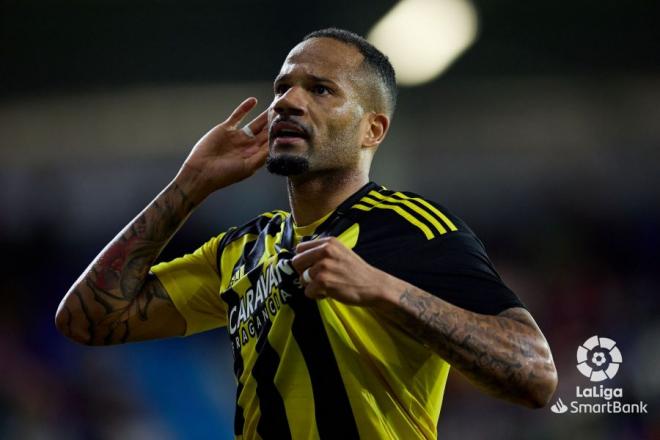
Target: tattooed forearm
pixel 505 355
pixel 116 291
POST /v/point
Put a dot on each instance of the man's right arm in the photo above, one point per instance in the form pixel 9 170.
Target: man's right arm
pixel 116 299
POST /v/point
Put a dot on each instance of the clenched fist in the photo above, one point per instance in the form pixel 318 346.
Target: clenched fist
pixel 330 269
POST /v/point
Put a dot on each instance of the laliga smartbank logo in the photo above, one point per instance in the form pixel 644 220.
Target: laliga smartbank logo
pixel 598 359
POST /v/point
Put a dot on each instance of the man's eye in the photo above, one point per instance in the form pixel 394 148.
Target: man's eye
pixel 320 90
pixel 280 89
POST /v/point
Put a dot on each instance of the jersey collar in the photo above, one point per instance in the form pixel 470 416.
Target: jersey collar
pixel 333 222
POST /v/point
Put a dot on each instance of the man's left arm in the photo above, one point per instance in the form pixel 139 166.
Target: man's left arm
pixel 506 355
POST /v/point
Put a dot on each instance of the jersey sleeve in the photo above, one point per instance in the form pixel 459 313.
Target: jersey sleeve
pixel 193 283
pixel 456 269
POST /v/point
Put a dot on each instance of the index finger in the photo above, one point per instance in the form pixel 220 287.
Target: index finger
pixel 239 112
pixel 258 123
pixel 305 245
pixel 303 260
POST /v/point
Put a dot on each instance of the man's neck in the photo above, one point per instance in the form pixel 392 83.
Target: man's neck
pixel 312 197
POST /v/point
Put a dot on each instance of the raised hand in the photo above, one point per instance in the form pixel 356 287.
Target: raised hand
pixel 226 154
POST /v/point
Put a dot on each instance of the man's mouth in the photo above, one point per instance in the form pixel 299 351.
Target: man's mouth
pixel 287 132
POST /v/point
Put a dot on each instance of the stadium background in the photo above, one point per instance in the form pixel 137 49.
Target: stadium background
pixel 544 136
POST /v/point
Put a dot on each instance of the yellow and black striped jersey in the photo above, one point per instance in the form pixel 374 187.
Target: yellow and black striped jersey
pixel 309 369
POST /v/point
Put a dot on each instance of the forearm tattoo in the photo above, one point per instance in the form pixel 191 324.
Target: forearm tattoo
pixel 504 355
pixel 116 289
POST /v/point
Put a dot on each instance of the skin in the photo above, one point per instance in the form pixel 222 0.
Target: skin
pixel 117 300
pixel 346 131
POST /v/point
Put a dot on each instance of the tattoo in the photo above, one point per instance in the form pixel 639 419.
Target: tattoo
pixel 117 291
pixel 505 355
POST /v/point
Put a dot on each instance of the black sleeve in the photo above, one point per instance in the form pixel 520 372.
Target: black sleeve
pixel 456 269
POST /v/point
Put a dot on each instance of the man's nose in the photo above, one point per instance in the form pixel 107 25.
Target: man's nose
pixel 290 103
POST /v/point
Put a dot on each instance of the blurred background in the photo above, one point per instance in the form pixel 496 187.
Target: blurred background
pixel 536 122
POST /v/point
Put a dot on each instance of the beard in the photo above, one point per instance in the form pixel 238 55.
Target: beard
pixel 287 165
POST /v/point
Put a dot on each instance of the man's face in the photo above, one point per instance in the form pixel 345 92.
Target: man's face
pixel 315 116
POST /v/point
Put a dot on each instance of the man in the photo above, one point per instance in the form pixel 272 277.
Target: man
pixel 345 315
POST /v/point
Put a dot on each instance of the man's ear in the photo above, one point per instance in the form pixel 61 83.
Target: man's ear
pixel 378 123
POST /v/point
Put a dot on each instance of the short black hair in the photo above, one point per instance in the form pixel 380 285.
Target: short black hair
pixel 374 60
